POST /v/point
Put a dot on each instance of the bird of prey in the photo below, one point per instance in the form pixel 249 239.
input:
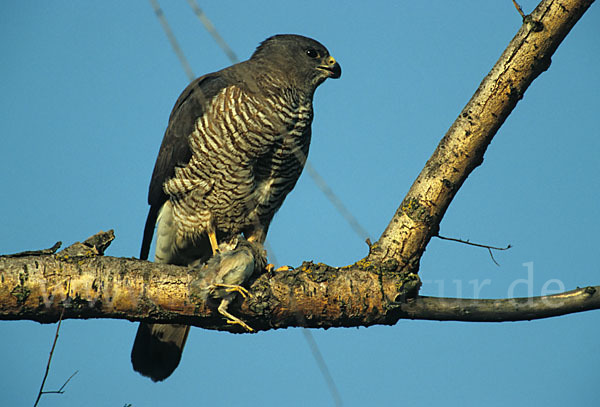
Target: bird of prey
pixel 234 147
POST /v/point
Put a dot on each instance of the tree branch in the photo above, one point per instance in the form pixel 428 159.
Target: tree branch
pixel 314 295
pixel 510 309
pixel 379 289
pixel 462 148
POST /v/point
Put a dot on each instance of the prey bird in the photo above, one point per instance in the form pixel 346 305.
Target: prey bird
pixel 224 274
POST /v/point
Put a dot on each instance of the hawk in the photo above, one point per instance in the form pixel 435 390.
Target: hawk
pixel 234 147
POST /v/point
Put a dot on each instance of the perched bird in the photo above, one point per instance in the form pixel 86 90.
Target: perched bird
pixel 224 274
pixel 235 145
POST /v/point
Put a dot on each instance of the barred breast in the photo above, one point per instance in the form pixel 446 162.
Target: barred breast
pixel 246 157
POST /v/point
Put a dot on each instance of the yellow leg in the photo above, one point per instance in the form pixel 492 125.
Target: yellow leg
pixel 212 237
pixel 232 288
pixel 230 318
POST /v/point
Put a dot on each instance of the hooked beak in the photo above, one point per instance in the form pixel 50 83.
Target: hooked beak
pixel 333 69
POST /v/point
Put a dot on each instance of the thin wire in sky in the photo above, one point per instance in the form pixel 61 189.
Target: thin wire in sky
pixel 213 31
pixel 174 44
pixel 314 348
pixel 335 201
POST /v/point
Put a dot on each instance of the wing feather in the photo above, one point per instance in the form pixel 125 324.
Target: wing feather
pixel 175 150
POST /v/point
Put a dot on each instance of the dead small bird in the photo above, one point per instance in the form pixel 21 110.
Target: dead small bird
pixel 225 272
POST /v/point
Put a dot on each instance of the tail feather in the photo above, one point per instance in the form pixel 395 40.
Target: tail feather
pixel 157 349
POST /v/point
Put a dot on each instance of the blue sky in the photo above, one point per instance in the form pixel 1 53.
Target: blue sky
pixel 86 94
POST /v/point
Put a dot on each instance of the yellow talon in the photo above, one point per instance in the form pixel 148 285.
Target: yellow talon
pixel 230 318
pixel 230 288
pixel 271 267
pixel 240 322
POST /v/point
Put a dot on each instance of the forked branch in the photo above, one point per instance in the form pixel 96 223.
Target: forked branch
pixel 379 289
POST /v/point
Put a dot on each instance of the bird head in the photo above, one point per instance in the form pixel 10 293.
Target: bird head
pixel 302 61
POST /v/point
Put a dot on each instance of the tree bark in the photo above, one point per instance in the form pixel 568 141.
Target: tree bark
pixel 379 289
pixel 38 287
pixel 509 309
pixel 93 286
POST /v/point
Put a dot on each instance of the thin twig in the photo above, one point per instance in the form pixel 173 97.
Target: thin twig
pixel 519 9
pixel 485 246
pixel 41 391
pixel 49 360
pixel 493 259
pixel 61 390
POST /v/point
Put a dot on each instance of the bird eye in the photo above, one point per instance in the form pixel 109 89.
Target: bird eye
pixel 312 53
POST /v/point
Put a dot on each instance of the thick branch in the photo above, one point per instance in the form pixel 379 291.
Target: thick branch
pixel 462 148
pixel 314 295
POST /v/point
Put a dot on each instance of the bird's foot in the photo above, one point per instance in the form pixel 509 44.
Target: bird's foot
pixel 230 288
pixel 237 321
pixel 271 267
pixel 230 318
